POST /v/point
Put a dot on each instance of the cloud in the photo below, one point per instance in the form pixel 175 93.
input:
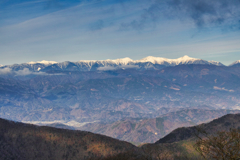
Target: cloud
pixel 107 68
pixel 129 66
pixel 204 13
pixel 149 16
pixel 222 89
pixel 26 71
pixel 22 72
pixel 5 70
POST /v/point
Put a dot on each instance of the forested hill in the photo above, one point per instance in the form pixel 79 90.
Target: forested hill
pixel 181 143
pixel 21 141
pixel 221 124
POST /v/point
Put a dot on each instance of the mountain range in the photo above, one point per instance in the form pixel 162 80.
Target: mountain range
pixel 114 91
pixel 147 63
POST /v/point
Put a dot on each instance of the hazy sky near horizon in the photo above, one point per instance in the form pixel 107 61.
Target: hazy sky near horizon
pixel 73 30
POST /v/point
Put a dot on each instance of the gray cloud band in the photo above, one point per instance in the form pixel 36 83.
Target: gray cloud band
pixel 204 13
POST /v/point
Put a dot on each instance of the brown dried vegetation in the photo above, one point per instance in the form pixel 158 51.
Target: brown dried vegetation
pixel 22 141
pixel 224 145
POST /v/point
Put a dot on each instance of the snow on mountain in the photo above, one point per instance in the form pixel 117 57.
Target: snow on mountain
pixel 184 60
pixel 216 63
pixel 172 62
pixel 122 61
pixel 145 63
pixel 159 60
pixel 149 62
pixel 235 63
pixel 154 60
pixel 43 62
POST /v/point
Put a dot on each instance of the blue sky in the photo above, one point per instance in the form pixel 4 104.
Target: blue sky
pixel 73 30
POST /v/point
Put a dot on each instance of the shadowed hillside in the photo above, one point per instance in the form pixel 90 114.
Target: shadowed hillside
pixel 180 143
pixel 221 124
pixel 24 142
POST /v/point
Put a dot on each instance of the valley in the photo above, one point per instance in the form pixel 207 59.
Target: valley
pixel 136 104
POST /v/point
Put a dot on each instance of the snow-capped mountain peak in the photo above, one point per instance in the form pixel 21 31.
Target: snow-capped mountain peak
pixel 154 60
pixel 184 59
pixel 236 62
pixel 124 61
pixel 216 63
pixel 146 63
pixel 43 62
pixel 160 60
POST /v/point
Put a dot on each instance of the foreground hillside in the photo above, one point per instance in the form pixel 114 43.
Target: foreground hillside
pixel 20 141
pixel 181 142
pixel 221 124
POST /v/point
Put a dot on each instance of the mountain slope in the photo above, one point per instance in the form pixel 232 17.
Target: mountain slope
pixel 235 64
pixel 109 96
pixel 151 130
pixel 221 124
pixel 24 142
pixel 179 144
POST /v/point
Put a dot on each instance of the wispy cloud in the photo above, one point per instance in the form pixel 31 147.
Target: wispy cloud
pixel 222 89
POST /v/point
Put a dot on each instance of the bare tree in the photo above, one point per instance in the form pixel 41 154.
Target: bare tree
pixel 224 145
